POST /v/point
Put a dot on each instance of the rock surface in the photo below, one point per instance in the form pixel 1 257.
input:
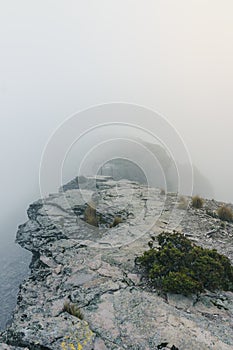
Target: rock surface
pixel 14 269
pixel 94 268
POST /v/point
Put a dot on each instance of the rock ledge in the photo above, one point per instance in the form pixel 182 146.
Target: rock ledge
pixel 94 268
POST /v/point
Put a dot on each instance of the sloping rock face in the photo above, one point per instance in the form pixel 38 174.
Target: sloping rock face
pixel 94 268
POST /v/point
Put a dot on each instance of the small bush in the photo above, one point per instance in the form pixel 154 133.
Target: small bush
pixel 179 282
pixel 197 202
pixel 183 203
pixel 90 215
pixel 162 192
pixel 179 266
pixel 72 309
pixel 225 213
pixel 117 220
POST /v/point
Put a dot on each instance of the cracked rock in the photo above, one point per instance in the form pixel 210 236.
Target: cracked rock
pixel 94 268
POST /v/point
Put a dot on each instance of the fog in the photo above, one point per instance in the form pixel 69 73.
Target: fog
pixel 60 57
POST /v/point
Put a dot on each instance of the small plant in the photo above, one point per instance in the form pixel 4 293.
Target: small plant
pixel 162 192
pixel 197 202
pixel 90 215
pixel 117 220
pixel 180 266
pixel 72 309
pixel 183 203
pixel 225 213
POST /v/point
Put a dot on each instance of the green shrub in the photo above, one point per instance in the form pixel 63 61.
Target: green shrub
pixel 180 283
pixel 162 192
pixel 180 266
pixel 72 309
pixel 225 213
pixel 197 202
pixel 117 220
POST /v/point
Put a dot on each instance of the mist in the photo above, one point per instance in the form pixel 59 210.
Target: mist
pixel 59 57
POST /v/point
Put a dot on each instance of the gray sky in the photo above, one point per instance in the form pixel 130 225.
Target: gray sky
pixel 59 57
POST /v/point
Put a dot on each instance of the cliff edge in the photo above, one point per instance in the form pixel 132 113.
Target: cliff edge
pixel 93 270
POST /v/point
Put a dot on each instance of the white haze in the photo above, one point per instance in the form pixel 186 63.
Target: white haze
pixel 58 57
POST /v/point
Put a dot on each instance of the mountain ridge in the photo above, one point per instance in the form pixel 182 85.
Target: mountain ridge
pixel 94 269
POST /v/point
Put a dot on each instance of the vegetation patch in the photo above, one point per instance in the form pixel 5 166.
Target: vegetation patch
pixel 197 202
pixel 72 309
pixel 92 216
pixel 225 213
pixel 183 203
pixel 116 221
pixel 179 266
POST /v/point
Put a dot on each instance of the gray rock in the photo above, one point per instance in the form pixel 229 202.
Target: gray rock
pixel 94 268
pixel 8 347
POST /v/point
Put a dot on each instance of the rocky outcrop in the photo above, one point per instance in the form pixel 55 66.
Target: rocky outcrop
pixel 94 268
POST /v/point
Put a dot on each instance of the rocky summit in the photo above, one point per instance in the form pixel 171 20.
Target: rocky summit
pixel 85 290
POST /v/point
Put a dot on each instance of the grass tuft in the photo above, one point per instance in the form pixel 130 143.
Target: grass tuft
pixel 72 309
pixel 117 220
pixel 197 202
pixel 90 215
pixel 183 203
pixel 225 213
